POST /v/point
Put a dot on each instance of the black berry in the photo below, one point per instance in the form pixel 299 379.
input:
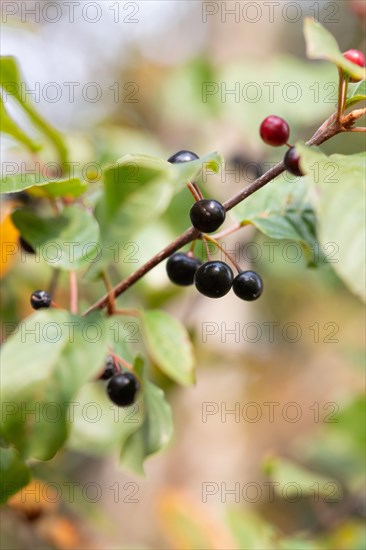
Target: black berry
pixel 40 299
pixel 274 130
pixel 214 279
pixel 292 162
pixel 122 389
pixel 207 215
pixel 248 285
pixel 181 268
pixel 26 246
pixel 182 156
pixel 109 369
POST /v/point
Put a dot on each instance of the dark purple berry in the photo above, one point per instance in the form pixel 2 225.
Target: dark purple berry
pixel 181 268
pixel 182 156
pixel 122 389
pixel 292 162
pixel 40 299
pixel 109 369
pixel 248 285
pixel 214 279
pixel 207 215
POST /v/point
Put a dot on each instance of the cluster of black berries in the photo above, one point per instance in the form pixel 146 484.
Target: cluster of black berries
pixel 122 387
pixel 213 278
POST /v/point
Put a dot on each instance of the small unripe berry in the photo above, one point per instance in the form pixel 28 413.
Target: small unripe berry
pixel 357 57
pixel 274 131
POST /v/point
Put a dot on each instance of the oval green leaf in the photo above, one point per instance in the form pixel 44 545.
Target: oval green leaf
pixel 169 346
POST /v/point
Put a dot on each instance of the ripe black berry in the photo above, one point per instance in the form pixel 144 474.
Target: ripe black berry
pixel 214 279
pixel 248 285
pixel 207 215
pixel 182 156
pixel 181 268
pixel 122 389
pixel 274 130
pixel 40 299
pixel 109 369
pixel 357 57
pixel 292 162
pixel 26 246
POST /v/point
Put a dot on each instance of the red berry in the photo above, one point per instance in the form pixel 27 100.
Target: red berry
pixel 274 131
pixel 356 57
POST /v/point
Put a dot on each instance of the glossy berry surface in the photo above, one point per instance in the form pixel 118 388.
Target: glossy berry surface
pixel 292 162
pixel 40 299
pixel 181 268
pixel 214 279
pixel 207 215
pixel 26 246
pixel 182 156
pixel 109 369
pixel 357 57
pixel 122 389
pixel 274 131
pixel 248 285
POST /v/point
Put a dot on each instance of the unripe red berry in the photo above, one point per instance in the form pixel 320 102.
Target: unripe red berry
pixel 274 131
pixel 356 57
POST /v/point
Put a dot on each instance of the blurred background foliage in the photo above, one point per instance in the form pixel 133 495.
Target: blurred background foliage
pixel 161 66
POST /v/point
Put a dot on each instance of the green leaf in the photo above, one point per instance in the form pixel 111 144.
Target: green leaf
pixel 356 93
pixel 105 426
pixel 294 481
pixel 155 431
pixel 72 187
pixel 169 346
pixel 338 196
pixel 321 44
pixel 14 474
pixel 11 82
pixel 44 364
pixel 138 189
pixel 132 172
pixel 68 241
pixel 10 127
pixel 281 210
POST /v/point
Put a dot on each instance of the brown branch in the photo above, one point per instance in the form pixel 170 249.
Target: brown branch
pixel 330 128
